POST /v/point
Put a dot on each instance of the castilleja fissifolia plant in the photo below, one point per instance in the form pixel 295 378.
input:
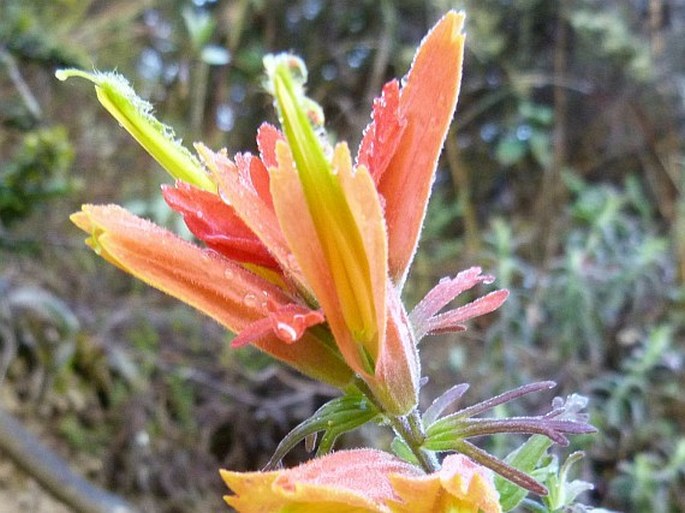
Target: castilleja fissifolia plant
pixel 304 253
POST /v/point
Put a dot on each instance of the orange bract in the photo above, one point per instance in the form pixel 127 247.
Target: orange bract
pixel 364 481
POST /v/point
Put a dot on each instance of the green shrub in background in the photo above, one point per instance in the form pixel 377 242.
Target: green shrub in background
pixel 38 170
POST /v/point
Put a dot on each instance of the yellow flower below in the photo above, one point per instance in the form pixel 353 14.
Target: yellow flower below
pixel 365 481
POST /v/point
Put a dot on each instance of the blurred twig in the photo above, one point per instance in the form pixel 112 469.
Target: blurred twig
pixel 53 474
pixel 20 85
pixel 383 50
pixel 551 194
pixel 462 188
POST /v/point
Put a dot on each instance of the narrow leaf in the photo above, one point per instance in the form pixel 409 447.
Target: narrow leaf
pixel 441 403
pixel 135 115
pixel 526 458
pixel 334 418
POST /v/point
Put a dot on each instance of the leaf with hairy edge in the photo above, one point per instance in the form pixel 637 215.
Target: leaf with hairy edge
pixel 400 448
pixel 334 418
pixel 526 459
pixel 440 404
pixel 135 115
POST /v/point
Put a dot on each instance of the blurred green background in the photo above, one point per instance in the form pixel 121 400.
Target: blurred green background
pixel 563 176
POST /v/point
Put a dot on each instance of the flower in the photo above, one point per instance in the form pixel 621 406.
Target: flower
pixel 307 250
pixel 365 481
pixel 217 286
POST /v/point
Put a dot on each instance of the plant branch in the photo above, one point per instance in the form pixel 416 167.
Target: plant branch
pixel 409 428
pixel 53 474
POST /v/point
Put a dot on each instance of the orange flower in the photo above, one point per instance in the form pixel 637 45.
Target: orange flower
pixel 217 286
pixel 460 486
pixel 364 481
pixel 309 250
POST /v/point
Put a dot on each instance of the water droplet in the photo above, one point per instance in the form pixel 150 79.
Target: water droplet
pixel 225 197
pixel 292 262
pixel 488 279
pixel 250 300
pixel 228 273
pixel 286 332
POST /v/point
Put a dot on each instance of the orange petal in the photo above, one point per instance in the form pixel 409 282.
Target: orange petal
pixel 337 230
pixel 467 481
pixel 383 134
pixel 364 203
pixel 300 230
pixel 445 291
pixel 425 318
pixel 460 485
pixel 259 176
pixel 356 481
pixel 427 102
pixel 254 212
pixel 225 291
pixel 267 137
pixel 298 227
pixel 217 225
pixel 452 320
pixel 287 322
pixel 398 369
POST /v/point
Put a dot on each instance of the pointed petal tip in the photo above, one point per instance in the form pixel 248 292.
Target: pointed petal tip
pixel 455 19
pixel 204 152
pixel 225 474
pixel 81 220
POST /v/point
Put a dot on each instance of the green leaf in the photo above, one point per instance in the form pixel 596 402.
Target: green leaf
pixel 563 492
pixel 526 458
pixel 510 150
pixel 135 115
pixel 400 448
pixel 334 418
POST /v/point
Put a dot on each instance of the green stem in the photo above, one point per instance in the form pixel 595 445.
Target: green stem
pixel 404 429
pixel 409 428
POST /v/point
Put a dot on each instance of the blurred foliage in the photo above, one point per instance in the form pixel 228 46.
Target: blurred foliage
pixel 563 177
pixel 36 172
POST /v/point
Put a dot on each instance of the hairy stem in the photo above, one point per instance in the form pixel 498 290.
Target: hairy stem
pixel 409 428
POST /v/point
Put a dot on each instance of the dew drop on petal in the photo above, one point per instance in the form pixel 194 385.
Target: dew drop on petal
pixel 488 279
pixel 228 273
pixel 292 261
pixel 286 332
pixel 250 300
